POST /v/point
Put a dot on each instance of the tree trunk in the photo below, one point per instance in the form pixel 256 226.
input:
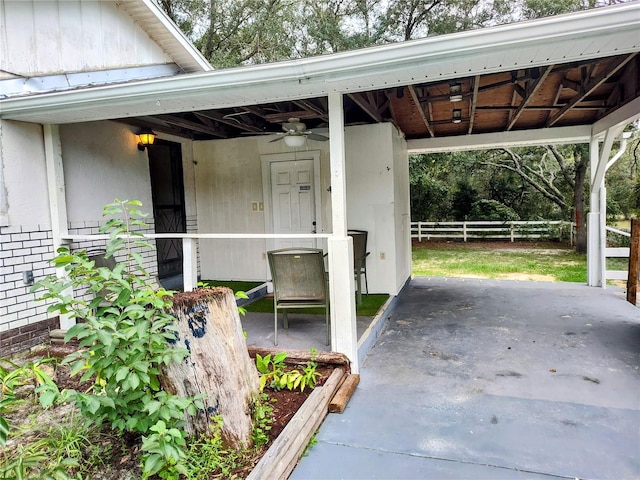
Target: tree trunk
pixel 218 365
pixel 581 158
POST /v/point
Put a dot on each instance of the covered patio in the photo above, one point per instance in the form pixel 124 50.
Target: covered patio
pixel 570 78
pixel 492 379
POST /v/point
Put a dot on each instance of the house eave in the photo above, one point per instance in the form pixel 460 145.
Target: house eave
pixel 584 35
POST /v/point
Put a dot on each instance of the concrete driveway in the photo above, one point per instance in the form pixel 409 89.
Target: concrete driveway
pixel 487 379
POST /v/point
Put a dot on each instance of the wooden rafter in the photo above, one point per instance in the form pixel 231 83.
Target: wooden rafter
pixel 475 83
pixel 589 85
pixel 416 100
pixel 141 122
pixel 530 88
pixel 367 104
pixel 231 121
pixel 307 105
pixel 195 126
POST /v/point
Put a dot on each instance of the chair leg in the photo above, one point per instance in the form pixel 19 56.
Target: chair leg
pixel 275 326
pixel 366 283
pixel 359 287
pixel 326 314
pixel 285 320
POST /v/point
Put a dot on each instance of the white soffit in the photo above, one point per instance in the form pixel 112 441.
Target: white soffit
pixel 597 33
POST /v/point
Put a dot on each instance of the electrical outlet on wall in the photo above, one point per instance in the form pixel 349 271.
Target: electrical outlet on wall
pixel 382 256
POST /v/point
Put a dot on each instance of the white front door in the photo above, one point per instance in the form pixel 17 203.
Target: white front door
pixel 293 201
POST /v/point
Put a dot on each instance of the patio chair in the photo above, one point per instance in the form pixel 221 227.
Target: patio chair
pixel 299 281
pixel 360 255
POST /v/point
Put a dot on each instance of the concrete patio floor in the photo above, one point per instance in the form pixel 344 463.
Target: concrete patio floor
pixel 487 379
pixel 306 331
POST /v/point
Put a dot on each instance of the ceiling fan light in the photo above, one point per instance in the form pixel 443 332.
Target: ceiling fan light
pixel 295 140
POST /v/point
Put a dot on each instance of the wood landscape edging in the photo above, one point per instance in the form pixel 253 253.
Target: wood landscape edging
pixel 283 455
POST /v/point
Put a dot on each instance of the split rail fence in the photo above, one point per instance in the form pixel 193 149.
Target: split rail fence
pixel 515 230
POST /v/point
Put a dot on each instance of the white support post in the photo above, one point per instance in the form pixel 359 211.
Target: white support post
pixel 57 199
pixel 595 270
pixel 344 337
pixel 603 236
pixel 189 264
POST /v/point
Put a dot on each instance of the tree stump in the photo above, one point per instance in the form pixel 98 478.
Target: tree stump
pixel 218 365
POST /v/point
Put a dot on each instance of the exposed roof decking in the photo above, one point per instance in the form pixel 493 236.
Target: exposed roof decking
pixel 554 72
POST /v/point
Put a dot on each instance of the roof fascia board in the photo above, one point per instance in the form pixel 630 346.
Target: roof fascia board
pixel 629 112
pixel 178 39
pixel 519 138
pixel 410 62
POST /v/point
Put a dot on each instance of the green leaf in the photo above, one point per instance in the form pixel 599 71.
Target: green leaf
pixel 152 464
pixel 4 431
pixel 47 398
pixel 122 373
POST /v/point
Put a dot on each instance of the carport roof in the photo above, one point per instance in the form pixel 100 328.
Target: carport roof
pixel 563 71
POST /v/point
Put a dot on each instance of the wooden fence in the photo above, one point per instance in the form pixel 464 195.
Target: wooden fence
pixel 516 230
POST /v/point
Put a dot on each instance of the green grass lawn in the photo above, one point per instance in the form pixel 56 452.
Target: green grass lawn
pixel 508 261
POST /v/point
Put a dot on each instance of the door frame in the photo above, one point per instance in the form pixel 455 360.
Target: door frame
pixel 266 161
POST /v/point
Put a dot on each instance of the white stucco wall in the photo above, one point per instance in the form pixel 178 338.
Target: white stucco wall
pixel 402 208
pixel 44 37
pixel 373 161
pixel 101 163
pixel 24 174
pixel 229 178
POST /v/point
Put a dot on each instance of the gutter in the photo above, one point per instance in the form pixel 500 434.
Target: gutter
pixel 550 40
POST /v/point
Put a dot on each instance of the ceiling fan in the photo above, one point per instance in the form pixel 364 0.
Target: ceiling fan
pixel 295 133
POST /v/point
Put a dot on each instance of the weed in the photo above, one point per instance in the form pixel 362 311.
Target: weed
pixel 262 420
pixel 312 441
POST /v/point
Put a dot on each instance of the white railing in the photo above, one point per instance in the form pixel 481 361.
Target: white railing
pixel 513 231
pixel 189 246
pixel 616 252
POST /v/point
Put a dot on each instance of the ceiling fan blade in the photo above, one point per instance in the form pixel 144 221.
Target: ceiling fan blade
pixel 317 137
pixel 280 137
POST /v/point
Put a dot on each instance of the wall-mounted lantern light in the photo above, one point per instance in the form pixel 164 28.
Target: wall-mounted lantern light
pixel 456 117
pixel 145 138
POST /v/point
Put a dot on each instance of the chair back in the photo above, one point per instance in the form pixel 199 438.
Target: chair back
pixel 359 247
pixel 298 274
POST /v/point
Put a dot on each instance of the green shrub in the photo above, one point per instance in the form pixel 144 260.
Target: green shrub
pixel 125 340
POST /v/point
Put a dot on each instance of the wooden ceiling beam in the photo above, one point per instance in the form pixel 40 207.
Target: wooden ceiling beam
pixel 191 125
pixel 365 104
pixel 285 116
pixel 475 83
pixel 416 100
pixel 530 89
pixel 228 120
pixel 307 105
pixel 141 123
pixel 590 86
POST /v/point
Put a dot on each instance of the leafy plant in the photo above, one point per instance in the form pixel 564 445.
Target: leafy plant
pixel 312 441
pixel 270 369
pixel 262 420
pixel 272 372
pixel 125 340
pixel 207 457
pixel 14 376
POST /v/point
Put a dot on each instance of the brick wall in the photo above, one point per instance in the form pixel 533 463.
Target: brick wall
pixel 24 322
pixel 192 227
pixel 23 248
